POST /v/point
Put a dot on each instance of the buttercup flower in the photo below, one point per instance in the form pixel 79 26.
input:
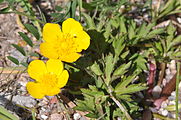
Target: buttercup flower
pixel 49 78
pixel 66 44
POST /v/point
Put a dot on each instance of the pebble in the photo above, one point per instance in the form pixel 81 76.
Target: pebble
pixel 43 109
pixel 179 86
pixel 164 82
pixel 167 71
pixel 170 98
pixel 160 110
pixel 173 93
pixel 164 112
pixel 164 104
pixel 172 65
pixel 24 101
pixel 179 20
pixel 172 102
pixel 44 117
pixel 56 116
pixel 77 116
pixel 156 91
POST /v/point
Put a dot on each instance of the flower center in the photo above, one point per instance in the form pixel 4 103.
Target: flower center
pixel 66 45
pixel 49 80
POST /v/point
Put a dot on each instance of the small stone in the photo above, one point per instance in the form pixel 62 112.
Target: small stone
pixel 171 98
pixel 77 116
pixel 164 104
pixel 160 110
pixel 168 71
pixel 168 77
pixel 179 86
pixel 156 91
pixel 43 109
pixel 164 112
pixel 56 116
pixel 172 65
pixel 172 102
pixel 173 94
pixel 44 117
pixel 179 20
pixel 173 115
pixel 164 82
pixel 24 101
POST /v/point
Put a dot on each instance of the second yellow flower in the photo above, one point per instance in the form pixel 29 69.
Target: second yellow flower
pixel 64 45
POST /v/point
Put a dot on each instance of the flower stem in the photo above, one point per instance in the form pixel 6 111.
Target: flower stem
pixel 121 107
pixel 177 90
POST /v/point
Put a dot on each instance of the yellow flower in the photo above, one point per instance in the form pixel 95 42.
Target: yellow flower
pixel 66 44
pixel 49 78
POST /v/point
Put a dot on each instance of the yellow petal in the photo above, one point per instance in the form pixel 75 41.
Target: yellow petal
pixel 72 57
pixel 54 66
pixel 36 69
pixel 51 32
pixel 47 49
pixel 53 91
pixel 71 26
pixel 35 90
pixel 83 41
pixel 63 78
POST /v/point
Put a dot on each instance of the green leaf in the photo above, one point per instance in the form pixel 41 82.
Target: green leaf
pixel 171 29
pixel 122 25
pixel 139 61
pixel 118 45
pixel 89 21
pixel 130 89
pixel 107 32
pixel 172 107
pixel 91 115
pixel 125 82
pixel 124 97
pixel 99 82
pixel 26 39
pixel 73 8
pixel 176 41
pixel 131 32
pixel 34 54
pixel 24 64
pixel 155 32
pixel 6 114
pixel 32 30
pixel 58 8
pixel 170 6
pixel 125 54
pixel 176 54
pixel 19 48
pixel 142 31
pixel 1 1
pixel 122 69
pixel 109 68
pixel 114 23
pixel 14 60
pixel 159 47
pixel 96 69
